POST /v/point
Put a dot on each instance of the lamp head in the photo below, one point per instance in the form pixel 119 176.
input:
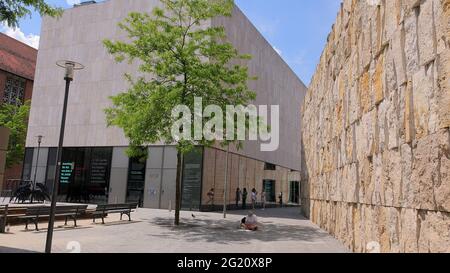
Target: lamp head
pixel 70 67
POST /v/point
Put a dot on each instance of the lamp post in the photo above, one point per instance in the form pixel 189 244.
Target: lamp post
pixel 69 67
pixel 36 167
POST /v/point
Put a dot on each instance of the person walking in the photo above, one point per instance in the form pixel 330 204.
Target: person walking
pixel 263 200
pixel 281 199
pixel 254 197
pixel 244 198
pixel 211 199
pixel 238 196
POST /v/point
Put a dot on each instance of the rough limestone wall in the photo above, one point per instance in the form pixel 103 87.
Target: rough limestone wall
pixel 376 127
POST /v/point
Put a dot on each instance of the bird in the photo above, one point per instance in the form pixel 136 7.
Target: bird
pixel 193 216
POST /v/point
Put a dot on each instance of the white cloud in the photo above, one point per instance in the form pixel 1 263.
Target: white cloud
pixel 73 2
pixel 278 50
pixel 30 39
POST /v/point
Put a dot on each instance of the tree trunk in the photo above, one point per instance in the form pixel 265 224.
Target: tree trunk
pixel 178 188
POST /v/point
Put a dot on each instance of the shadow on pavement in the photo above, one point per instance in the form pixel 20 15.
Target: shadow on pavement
pixel 228 232
pixel 15 250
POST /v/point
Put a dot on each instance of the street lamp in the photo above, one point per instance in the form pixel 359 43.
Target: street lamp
pixel 36 167
pixel 70 68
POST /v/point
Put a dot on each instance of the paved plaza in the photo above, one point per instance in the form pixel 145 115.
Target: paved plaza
pixel 152 231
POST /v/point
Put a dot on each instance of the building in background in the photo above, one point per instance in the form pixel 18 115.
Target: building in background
pixel 95 166
pixel 17 67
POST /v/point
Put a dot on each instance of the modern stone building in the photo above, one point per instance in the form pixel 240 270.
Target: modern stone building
pixel 376 124
pixel 96 168
pixel 17 65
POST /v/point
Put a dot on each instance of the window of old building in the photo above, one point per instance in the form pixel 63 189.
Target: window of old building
pixel 14 90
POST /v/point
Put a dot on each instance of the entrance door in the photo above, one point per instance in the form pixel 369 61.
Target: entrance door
pixel 136 182
pixel 269 188
pixel 294 192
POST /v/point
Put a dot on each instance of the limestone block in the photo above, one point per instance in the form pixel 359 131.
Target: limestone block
pixel 364 92
pixel 377 29
pixel 378 80
pixel 381 133
pixel 365 48
pixel 422 94
pixel 392 178
pixel 411 48
pixel 443 72
pixel 442 28
pixel 349 145
pixel 351 191
pixel 394 226
pixel 368 122
pixel 408 122
pixel 426 170
pixel 383 229
pixel 390 73
pixel 378 180
pixel 409 229
pixel 442 187
pixel 393 121
pixel 371 230
pixel 410 187
pixel 398 53
pixel 426 33
pixel 434 232
pixel 392 16
pixel 365 170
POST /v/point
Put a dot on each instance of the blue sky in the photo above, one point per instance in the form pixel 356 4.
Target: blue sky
pixel 298 29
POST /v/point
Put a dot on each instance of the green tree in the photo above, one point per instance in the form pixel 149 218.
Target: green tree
pixel 15 117
pixel 12 10
pixel 179 59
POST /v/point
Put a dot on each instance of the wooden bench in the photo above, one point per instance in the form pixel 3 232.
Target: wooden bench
pixel 103 210
pixel 35 213
pixel 8 213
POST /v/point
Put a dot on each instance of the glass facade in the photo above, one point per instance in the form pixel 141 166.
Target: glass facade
pixel 136 181
pixel 85 175
pixel 27 164
pixel 51 168
pixel 192 180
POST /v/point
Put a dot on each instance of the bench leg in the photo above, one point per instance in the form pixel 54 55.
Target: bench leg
pixel 26 224
pixel 65 223
pixel 2 225
pixel 121 214
pixel 75 221
pixel 103 219
pixel 129 216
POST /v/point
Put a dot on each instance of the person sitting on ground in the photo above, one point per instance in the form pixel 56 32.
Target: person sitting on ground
pixel 250 222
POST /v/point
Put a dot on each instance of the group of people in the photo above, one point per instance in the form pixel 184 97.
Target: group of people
pixel 243 195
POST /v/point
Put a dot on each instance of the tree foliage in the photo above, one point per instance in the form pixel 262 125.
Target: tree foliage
pixel 15 117
pixel 11 11
pixel 179 58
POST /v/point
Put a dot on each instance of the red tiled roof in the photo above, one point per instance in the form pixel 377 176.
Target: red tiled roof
pixel 17 58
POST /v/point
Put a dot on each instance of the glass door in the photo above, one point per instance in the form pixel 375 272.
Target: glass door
pixel 269 188
pixel 294 192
